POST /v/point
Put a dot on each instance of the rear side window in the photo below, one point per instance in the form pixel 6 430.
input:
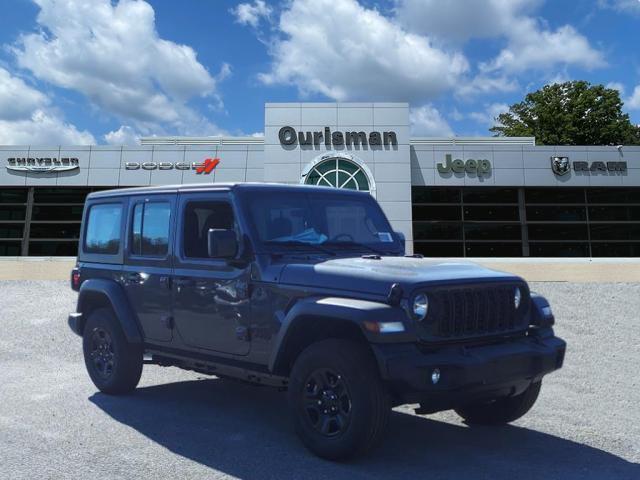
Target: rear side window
pixel 103 229
pixel 150 230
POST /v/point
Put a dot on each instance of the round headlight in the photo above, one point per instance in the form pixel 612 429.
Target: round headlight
pixel 420 306
pixel 517 296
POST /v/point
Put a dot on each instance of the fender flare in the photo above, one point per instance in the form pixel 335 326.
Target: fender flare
pixel 117 300
pixel 350 310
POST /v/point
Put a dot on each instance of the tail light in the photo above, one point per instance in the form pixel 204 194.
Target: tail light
pixel 75 279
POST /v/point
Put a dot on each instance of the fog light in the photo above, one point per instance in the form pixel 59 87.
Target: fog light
pixel 435 376
pixel 517 297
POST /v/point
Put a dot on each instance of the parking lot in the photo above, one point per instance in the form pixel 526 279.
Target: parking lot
pixel 54 424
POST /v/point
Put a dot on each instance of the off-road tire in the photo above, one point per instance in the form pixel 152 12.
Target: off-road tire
pixel 125 364
pixel 369 400
pixel 502 410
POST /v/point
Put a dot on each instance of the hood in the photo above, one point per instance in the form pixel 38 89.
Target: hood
pixel 375 276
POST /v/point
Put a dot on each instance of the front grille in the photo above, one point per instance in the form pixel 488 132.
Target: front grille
pixel 475 311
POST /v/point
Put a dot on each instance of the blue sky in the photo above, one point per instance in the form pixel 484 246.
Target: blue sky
pixel 100 71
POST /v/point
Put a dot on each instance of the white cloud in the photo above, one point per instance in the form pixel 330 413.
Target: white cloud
pixel 251 14
pixel 488 117
pixel 113 55
pixel 484 84
pixel 633 102
pixel 356 53
pixel 125 135
pixel 26 117
pixel 616 86
pixel 624 6
pixel 42 128
pixel 532 48
pixel 17 99
pixel 427 121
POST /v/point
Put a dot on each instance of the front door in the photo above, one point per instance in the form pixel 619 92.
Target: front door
pixel 147 270
pixel 210 296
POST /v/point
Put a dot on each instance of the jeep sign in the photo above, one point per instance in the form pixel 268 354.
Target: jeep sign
pixel 470 166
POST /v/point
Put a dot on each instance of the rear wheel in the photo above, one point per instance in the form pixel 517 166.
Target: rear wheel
pixel 340 406
pixel 114 364
pixel 502 410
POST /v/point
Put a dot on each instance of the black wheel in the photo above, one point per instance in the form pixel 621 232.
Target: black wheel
pixel 114 364
pixel 502 410
pixel 339 404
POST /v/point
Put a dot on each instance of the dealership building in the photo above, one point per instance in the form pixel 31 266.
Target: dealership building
pixel 451 197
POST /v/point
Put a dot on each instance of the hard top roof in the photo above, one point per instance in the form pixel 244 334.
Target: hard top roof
pixel 213 187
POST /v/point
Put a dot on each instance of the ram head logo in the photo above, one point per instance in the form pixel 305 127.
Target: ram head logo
pixel 560 165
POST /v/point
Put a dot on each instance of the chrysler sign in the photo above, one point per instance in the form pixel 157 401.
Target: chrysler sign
pixel 42 164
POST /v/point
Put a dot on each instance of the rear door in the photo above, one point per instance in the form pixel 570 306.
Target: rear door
pixel 210 296
pixel 146 275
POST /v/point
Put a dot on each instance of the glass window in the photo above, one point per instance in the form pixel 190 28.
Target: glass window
pixel 557 213
pixel 435 195
pixel 429 249
pixel 609 231
pixel 11 230
pixel 437 231
pixel 613 195
pixel 493 249
pixel 150 231
pixel 60 195
pixel 13 195
pixel 199 217
pixel 557 231
pixel 55 230
pixel 622 214
pixel 560 249
pixel 61 212
pixel 435 212
pixel 490 195
pixel 103 229
pixel 12 213
pixel 554 195
pixel 492 231
pixel 599 249
pixel 10 249
pixel 491 212
pixel 59 248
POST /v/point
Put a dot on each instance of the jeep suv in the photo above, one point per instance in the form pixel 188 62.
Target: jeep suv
pixel 306 289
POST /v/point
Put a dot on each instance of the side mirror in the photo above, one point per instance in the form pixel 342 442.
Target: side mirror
pixel 221 243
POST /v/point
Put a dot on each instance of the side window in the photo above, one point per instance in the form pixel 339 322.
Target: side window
pixel 199 217
pixel 150 229
pixel 103 229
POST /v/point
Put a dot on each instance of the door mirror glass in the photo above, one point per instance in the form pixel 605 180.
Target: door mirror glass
pixel 221 243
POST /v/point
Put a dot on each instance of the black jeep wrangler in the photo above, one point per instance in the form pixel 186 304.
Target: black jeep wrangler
pixel 306 289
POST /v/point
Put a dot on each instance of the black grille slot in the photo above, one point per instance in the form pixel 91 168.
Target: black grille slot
pixel 475 311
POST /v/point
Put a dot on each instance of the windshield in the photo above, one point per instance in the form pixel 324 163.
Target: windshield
pixel 327 220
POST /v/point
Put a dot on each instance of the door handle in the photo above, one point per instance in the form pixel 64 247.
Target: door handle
pixel 135 277
pixel 165 281
pixel 184 282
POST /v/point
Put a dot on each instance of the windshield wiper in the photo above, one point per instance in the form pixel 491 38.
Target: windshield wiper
pixel 358 245
pixel 294 243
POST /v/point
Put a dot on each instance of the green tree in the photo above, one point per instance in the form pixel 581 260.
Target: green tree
pixel 570 113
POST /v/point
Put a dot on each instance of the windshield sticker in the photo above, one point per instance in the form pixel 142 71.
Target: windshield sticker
pixel 385 237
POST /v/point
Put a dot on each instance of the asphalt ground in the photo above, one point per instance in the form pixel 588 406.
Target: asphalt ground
pixel 54 424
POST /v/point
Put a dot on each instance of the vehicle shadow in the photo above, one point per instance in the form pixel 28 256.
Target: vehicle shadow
pixel 245 431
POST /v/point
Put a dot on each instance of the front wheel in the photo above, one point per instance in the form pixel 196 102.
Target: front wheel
pixel 114 364
pixel 339 404
pixel 502 410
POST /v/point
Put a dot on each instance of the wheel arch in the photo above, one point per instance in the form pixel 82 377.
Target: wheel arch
pixel 102 293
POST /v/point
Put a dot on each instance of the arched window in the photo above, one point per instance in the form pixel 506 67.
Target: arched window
pixel 338 173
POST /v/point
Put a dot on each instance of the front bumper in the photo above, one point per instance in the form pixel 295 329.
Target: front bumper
pixel 467 373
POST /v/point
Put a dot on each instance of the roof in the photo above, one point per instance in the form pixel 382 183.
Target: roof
pixel 257 186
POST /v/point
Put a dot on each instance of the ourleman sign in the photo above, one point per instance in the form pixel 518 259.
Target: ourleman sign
pixel 42 164
pixel 562 166
pixel 470 166
pixel 288 136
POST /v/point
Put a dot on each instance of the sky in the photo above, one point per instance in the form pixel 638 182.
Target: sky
pixel 100 71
